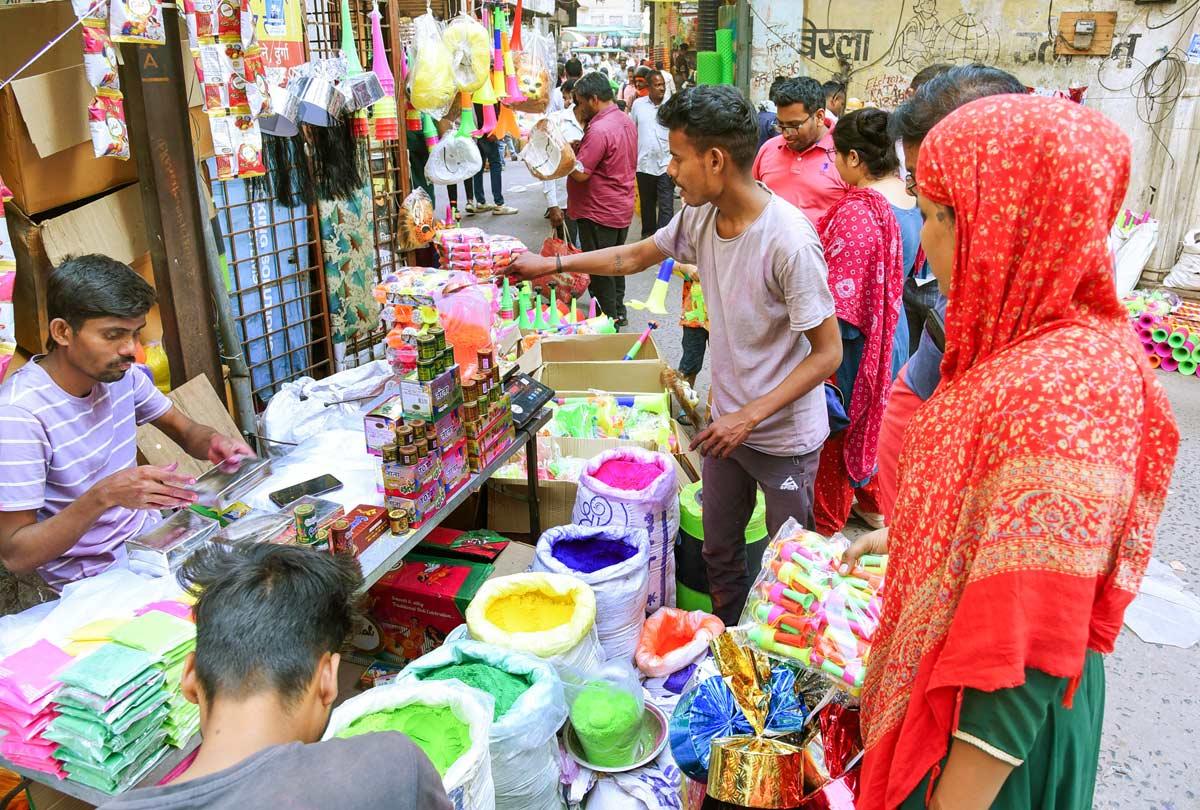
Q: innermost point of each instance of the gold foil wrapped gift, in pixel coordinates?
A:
(752, 771)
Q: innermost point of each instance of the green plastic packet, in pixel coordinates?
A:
(124, 750)
(107, 670)
(132, 701)
(156, 633)
(100, 778)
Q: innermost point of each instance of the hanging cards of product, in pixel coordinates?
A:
(281, 37)
(137, 21)
(106, 113)
(106, 122)
(237, 142)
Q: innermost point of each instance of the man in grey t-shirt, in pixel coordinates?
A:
(269, 622)
(772, 330)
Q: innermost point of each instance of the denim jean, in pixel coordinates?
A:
(489, 150)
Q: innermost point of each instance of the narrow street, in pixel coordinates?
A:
(1152, 717)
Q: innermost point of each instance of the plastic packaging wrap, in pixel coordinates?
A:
(803, 609)
(533, 64)
(470, 47)
(137, 21)
(523, 747)
(431, 85)
(673, 638)
(606, 712)
(613, 561)
(453, 160)
(654, 508)
(466, 315)
(468, 781)
(106, 122)
(548, 155)
(99, 59)
(417, 226)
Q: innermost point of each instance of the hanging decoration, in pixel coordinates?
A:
(383, 114)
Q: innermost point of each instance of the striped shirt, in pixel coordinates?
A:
(58, 446)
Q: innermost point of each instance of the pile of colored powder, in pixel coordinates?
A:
(530, 611)
(589, 554)
(627, 475)
(504, 686)
(608, 723)
(434, 729)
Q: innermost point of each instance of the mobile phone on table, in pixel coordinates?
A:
(313, 486)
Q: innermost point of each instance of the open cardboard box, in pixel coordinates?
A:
(46, 153)
(614, 377)
(586, 348)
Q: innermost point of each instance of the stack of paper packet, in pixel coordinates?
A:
(111, 710)
(167, 639)
(27, 684)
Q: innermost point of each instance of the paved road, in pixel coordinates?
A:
(1152, 719)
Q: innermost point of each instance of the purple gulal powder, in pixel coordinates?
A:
(590, 554)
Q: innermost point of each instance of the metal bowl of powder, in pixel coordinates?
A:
(653, 739)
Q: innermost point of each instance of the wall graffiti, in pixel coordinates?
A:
(887, 91)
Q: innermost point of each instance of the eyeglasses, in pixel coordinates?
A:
(910, 185)
(792, 128)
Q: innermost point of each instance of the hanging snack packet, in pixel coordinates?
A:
(138, 21)
(99, 59)
(91, 10)
(207, 19)
(106, 120)
(237, 142)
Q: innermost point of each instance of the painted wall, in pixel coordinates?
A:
(877, 46)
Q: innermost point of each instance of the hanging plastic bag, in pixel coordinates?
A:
(431, 86)
(606, 708)
(466, 315)
(453, 160)
(1131, 249)
(533, 63)
(614, 561)
(672, 638)
(548, 155)
(523, 748)
(416, 227)
(470, 47)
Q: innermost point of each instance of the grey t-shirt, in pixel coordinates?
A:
(763, 289)
(371, 770)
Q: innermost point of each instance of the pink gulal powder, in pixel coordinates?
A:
(627, 475)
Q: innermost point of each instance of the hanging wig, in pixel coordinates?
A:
(337, 165)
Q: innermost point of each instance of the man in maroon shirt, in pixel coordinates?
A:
(600, 190)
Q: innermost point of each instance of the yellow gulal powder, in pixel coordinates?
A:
(530, 611)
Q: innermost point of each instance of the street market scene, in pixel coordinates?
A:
(599, 404)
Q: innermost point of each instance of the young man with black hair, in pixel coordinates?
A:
(600, 189)
(768, 113)
(71, 492)
(835, 98)
(656, 192)
(798, 163)
(269, 623)
(774, 336)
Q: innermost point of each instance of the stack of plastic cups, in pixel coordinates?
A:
(725, 52)
(708, 67)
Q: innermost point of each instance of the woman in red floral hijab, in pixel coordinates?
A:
(1031, 483)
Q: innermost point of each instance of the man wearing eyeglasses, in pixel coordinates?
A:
(798, 163)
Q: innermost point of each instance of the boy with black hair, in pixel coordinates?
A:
(71, 492)
(835, 98)
(774, 337)
(269, 623)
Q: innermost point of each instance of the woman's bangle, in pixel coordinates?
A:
(558, 264)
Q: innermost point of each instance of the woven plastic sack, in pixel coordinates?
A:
(654, 509)
(1131, 249)
(470, 47)
(620, 588)
(547, 154)
(431, 85)
(468, 781)
(452, 160)
(523, 746)
(1185, 275)
(672, 638)
(571, 642)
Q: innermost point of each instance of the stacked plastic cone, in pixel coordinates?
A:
(1169, 346)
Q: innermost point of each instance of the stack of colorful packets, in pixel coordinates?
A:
(473, 251)
(27, 684)
(805, 609)
(168, 639)
(111, 709)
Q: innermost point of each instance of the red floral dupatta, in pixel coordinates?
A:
(1031, 483)
(865, 254)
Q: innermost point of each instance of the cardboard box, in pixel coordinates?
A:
(46, 153)
(381, 421)
(515, 559)
(416, 604)
(615, 377)
(112, 225)
(367, 524)
(455, 469)
(586, 348)
(433, 399)
(480, 546)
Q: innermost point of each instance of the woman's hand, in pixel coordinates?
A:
(874, 542)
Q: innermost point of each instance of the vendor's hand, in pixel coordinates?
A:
(873, 542)
(529, 266)
(147, 487)
(688, 271)
(723, 436)
(557, 218)
(222, 448)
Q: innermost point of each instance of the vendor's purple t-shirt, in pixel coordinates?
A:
(58, 446)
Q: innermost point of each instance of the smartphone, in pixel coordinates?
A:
(313, 486)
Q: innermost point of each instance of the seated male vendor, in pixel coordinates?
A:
(269, 622)
(71, 492)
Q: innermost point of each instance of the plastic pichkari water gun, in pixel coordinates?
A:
(506, 302)
(523, 305)
(657, 301)
(555, 319)
(383, 112)
(539, 315)
(699, 311)
(640, 342)
(575, 419)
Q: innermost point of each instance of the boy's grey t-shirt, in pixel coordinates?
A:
(763, 289)
(372, 770)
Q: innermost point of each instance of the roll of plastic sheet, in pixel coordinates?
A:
(708, 67)
(1155, 360)
(1160, 334)
(1187, 366)
(1177, 338)
(1163, 349)
(1181, 354)
(1169, 364)
(709, 711)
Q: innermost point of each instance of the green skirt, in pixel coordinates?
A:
(1058, 748)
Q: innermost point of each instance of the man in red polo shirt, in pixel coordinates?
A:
(798, 164)
(600, 190)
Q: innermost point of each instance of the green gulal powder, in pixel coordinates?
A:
(434, 729)
(504, 686)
